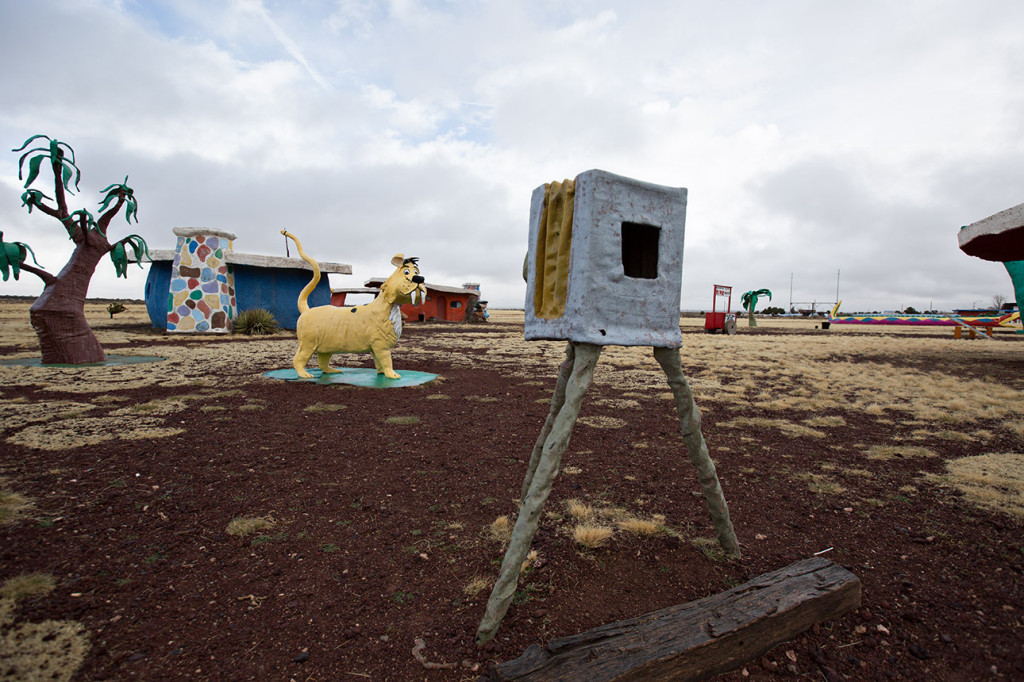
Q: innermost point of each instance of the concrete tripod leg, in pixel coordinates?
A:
(583, 362)
(557, 400)
(689, 423)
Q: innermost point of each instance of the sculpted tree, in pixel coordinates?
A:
(749, 301)
(58, 315)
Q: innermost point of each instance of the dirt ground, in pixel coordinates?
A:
(366, 519)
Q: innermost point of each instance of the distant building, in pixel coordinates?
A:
(203, 283)
(445, 304)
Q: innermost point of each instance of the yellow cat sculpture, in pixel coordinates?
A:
(371, 328)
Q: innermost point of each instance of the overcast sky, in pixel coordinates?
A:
(814, 137)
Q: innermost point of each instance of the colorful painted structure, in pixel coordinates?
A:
(445, 304)
(201, 285)
(988, 322)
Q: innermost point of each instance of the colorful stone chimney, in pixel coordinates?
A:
(202, 289)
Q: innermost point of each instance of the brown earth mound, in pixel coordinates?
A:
(202, 522)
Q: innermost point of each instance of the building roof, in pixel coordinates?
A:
(257, 261)
(999, 237)
(356, 290)
(377, 281)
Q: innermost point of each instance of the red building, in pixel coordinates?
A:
(446, 304)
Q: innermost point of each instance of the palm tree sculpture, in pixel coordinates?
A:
(749, 301)
(58, 315)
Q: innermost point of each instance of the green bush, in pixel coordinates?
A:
(257, 321)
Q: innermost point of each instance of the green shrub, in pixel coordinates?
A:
(256, 321)
(115, 308)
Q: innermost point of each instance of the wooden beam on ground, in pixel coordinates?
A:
(701, 638)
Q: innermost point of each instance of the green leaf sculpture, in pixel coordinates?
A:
(55, 153)
(85, 219)
(12, 255)
(119, 254)
(116, 191)
(32, 197)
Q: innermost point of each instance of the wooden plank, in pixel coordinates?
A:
(701, 638)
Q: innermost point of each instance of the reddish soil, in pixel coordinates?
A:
(380, 528)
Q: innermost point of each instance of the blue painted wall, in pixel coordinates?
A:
(158, 288)
(277, 290)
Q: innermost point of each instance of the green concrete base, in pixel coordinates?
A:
(111, 361)
(367, 378)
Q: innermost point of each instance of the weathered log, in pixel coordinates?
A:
(699, 639)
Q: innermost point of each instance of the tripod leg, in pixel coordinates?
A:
(557, 400)
(582, 374)
(689, 423)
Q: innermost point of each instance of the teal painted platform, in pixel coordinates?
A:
(111, 361)
(368, 378)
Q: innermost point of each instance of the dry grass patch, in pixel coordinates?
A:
(51, 650)
(590, 516)
(618, 403)
(476, 585)
(438, 396)
(821, 484)
(581, 511)
(710, 548)
(27, 585)
(12, 504)
(571, 470)
(825, 421)
(992, 481)
(529, 561)
(886, 452)
(164, 406)
(602, 422)
(788, 428)
(1016, 426)
(500, 529)
(778, 403)
(944, 434)
(403, 421)
(19, 413)
(324, 407)
(246, 525)
(591, 535)
(69, 434)
(638, 526)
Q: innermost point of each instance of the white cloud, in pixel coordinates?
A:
(812, 138)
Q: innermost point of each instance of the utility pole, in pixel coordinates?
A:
(790, 293)
(837, 286)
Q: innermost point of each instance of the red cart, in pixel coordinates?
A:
(720, 320)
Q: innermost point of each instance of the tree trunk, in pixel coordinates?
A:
(58, 315)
